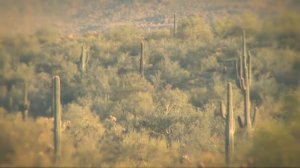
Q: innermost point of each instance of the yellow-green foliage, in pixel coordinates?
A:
(47, 35)
(84, 126)
(126, 37)
(143, 151)
(174, 102)
(277, 143)
(25, 144)
(139, 103)
(283, 30)
(194, 28)
(231, 25)
(159, 34)
(131, 83)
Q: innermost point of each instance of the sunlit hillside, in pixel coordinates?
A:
(140, 83)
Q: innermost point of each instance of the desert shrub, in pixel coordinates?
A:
(283, 135)
(47, 35)
(194, 28)
(173, 101)
(159, 35)
(172, 73)
(139, 103)
(209, 63)
(153, 153)
(269, 61)
(25, 143)
(231, 26)
(127, 38)
(138, 149)
(85, 131)
(198, 96)
(225, 26)
(250, 23)
(85, 127)
(130, 83)
(282, 31)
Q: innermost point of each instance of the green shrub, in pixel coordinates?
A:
(194, 28)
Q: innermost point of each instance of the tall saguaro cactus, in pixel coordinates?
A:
(142, 60)
(10, 87)
(10, 84)
(174, 25)
(56, 111)
(25, 105)
(230, 125)
(243, 69)
(84, 57)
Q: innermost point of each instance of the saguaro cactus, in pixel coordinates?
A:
(56, 111)
(25, 105)
(10, 84)
(10, 87)
(174, 25)
(84, 57)
(230, 125)
(142, 60)
(243, 69)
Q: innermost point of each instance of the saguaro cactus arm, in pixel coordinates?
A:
(222, 110)
(239, 73)
(241, 124)
(84, 57)
(87, 57)
(254, 116)
(250, 67)
(256, 111)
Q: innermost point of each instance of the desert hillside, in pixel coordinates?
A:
(140, 83)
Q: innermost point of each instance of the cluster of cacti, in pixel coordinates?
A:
(56, 111)
(228, 115)
(24, 107)
(142, 60)
(243, 71)
(84, 57)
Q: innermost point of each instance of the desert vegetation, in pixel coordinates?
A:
(149, 83)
